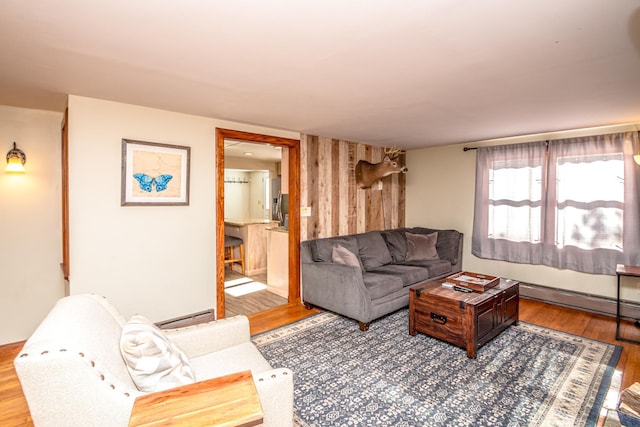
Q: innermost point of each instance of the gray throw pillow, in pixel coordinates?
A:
(422, 247)
(342, 255)
(321, 249)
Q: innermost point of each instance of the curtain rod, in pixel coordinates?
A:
(475, 148)
(547, 141)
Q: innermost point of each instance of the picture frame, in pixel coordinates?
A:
(154, 174)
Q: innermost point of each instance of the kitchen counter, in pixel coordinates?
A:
(253, 233)
(278, 261)
(247, 221)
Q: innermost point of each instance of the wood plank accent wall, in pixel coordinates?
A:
(338, 206)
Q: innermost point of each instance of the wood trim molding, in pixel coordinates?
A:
(294, 210)
(65, 195)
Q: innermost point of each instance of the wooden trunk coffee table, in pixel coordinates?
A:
(467, 320)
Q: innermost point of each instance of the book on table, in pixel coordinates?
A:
(630, 397)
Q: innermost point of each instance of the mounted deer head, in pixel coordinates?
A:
(367, 173)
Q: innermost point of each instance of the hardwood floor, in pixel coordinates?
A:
(254, 302)
(14, 410)
(13, 407)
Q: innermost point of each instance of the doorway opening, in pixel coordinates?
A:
(255, 224)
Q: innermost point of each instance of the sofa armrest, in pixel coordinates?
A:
(205, 338)
(275, 389)
(457, 267)
(336, 287)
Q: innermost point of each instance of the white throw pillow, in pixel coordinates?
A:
(154, 362)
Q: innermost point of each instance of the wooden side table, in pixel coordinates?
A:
(230, 401)
(630, 271)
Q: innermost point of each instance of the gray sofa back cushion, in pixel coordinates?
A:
(322, 249)
(373, 250)
(397, 243)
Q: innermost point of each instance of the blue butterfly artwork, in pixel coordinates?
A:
(146, 182)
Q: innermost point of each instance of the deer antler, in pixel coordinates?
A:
(393, 152)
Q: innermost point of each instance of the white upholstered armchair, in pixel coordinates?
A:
(73, 374)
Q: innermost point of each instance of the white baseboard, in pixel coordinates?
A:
(593, 303)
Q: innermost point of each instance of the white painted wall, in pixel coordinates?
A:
(30, 222)
(246, 201)
(155, 260)
(236, 195)
(441, 192)
(257, 200)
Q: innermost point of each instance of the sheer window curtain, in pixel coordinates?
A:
(574, 206)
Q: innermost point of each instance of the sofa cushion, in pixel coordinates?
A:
(153, 361)
(396, 241)
(437, 267)
(381, 285)
(409, 274)
(342, 255)
(421, 246)
(322, 249)
(373, 250)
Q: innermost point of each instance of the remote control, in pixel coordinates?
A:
(461, 289)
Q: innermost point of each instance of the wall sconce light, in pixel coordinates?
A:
(16, 160)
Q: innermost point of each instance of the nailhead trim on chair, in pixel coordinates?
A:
(91, 362)
(260, 379)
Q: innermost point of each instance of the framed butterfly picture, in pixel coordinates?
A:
(154, 174)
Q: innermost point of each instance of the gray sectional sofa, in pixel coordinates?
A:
(365, 276)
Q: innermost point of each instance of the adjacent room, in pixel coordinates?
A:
(317, 214)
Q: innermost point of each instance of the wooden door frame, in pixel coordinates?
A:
(65, 199)
(294, 210)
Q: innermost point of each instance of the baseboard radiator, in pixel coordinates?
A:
(593, 303)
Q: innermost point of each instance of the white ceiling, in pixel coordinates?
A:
(410, 73)
(248, 150)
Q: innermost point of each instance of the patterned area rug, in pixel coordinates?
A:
(527, 376)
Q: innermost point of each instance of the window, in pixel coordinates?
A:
(589, 201)
(515, 211)
(569, 203)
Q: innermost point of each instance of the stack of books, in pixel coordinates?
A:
(629, 407)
